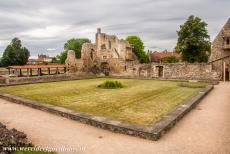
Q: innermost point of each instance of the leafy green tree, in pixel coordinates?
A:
(170, 59)
(56, 60)
(15, 54)
(74, 44)
(138, 48)
(63, 57)
(193, 40)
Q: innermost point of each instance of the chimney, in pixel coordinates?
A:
(99, 30)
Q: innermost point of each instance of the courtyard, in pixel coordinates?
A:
(139, 102)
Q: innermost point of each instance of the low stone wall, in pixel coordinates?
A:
(151, 132)
(4, 72)
(40, 79)
(2, 80)
(181, 71)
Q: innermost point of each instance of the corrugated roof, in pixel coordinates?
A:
(38, 66)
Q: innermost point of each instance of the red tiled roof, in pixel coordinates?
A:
(158, 56)
(37, 66)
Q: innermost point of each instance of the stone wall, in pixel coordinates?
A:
(2, 80)
(221, 49)
(72, 64)
(41, 79)
(183, 71)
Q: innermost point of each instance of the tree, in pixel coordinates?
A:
(15, 54)
(63, 57)
(193, 40)
(56, 60)
(138, 48)
(74, 44)
(170, 59)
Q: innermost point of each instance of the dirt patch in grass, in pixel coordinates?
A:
(139, 102)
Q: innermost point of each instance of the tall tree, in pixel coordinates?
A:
(15, 54)
(138, 48)
(74, 44)
(193, 40)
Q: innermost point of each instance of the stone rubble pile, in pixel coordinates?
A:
(11, 138)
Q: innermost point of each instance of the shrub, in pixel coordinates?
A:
(111, 85)
(170, 59)
(193, 84)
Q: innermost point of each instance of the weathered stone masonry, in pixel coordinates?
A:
(114, 57)
(221, 52)
(183, 71)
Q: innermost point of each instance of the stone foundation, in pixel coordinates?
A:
(41, 79)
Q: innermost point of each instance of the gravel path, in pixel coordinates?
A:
(206, 129)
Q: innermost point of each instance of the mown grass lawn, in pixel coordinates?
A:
(139, 102)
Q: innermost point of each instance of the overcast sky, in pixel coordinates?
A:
(45, 25)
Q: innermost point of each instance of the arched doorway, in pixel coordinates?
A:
(105, 68)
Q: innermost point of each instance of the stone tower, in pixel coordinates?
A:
(220, 55)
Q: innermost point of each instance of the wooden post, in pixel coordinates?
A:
(38, 72)
(16, 71)
(31, 72)
(27, 72)
(57, 70)
(20, 72)
(48, 71)
(9, 70)
(224, 72)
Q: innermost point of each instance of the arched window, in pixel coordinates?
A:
(228, 41)
(103, 46)
(91, 54)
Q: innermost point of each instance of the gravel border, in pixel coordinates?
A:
(153, 131)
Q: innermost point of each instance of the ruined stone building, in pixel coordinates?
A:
(108, 55)
(220, 55)
(114, 57)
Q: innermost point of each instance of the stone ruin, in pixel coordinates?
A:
(111, 56)
(220, 55)
(73, 65)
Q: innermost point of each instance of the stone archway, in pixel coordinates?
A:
(105, 68)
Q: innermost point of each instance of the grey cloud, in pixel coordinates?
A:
(155, 21)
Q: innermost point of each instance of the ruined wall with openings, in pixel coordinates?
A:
(183, 71)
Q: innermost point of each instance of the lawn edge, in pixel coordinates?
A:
(151, 132)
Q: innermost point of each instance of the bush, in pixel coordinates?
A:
(193, 84)
(111, 85)
(170, 59)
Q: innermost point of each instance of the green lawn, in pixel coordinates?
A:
(139, 102)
